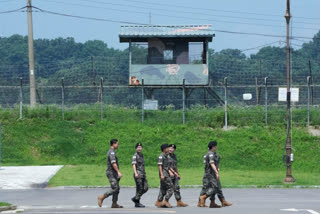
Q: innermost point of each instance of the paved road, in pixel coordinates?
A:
(248, 201)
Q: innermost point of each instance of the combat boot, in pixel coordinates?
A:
(224, 203)
(203, 200)
(134, 200)
(166, 204)
(214, 205)
(158, 204)
(181, 204)
(116, 205)
(100, 199)
(139, 204)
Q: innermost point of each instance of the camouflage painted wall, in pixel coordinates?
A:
(169, 74)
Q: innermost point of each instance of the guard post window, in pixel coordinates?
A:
(168, 56)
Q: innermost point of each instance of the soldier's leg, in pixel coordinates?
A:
(203, 193)
(224, 203)
(139, 188)
(113, 186)
(145, 185)
(212, 198)
(176, 189)
(169, 192)
(162, 191)
(219, 191)
(116, 190)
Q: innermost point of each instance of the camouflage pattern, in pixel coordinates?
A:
(141, 181)
(210, 182)
(166, 186)
(112, 176)
(169, 74)
(219, 188)
(173, 163)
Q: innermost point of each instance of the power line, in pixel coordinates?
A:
(260, 46)
(88, 18)
(175, 16)
(180, 11)
(135, 23)
(12, 11)
(208, 9)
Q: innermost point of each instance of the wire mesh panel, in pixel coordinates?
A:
(246, 90)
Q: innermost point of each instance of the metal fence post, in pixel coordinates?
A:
(266, 101)
(225, 103)
(142, 101)
(101, 98)
(62, 97)
(21, 99)
(308, 106)
(183, 102)
(257, 92)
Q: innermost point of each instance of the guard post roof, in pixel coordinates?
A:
(141, 33)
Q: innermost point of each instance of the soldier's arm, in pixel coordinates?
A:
(160, 164)
(135, 170)
(174, 172)
(115, 167)
(214, 169)
(160, 171)
(134, 166)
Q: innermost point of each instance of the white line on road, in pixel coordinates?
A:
(297, 210)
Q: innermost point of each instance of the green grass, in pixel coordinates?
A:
(94, 175)
(4, 204)
(82, 139)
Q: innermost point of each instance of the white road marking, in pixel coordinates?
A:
(13, 211)
(297, 210)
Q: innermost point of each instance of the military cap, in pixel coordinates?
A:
(173, 146)
(138, 144)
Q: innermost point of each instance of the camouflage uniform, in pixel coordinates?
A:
(219, 189)
(166, 186)
(173, 163)
(141, 181)
(112, 175)
(210, 182)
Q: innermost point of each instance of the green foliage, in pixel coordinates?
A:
(4, 204)
(82, 138)
(94, 175)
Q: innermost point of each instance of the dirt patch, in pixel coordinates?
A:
(314, 131)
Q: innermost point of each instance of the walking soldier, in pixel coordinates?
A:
(166, 185)
(173, 167)
(113, 175)
(139, 175)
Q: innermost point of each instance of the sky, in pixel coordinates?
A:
(227, 17)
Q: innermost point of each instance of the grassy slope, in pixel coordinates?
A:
(42, 139)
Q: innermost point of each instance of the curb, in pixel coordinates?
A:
(200, 186)
(6, 208)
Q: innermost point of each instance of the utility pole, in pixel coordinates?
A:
(289, 178)
(32, 78)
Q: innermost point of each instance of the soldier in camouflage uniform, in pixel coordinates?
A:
(113, 175)
(219, 193)
(139, 175)
(211, 176)
(166, 185)
(173, 167)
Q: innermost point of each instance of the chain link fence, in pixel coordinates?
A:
(239, 91)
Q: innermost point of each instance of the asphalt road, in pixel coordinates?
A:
(248, 201)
